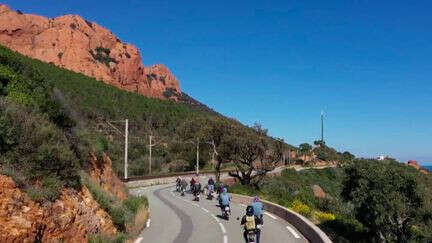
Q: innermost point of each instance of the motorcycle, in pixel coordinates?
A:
(251, 237)
(182, 192)
(226, 212)
(178, 187)
(210, 195)
(197, 196)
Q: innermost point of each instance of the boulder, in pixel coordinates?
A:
(318, 191)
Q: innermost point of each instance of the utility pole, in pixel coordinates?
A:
(150, 153)
(197, 157)
(126, 149)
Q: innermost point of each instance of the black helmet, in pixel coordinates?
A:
(249, 211)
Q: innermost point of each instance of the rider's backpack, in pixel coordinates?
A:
(250, 223)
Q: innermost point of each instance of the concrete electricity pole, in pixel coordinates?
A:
(197, 156)
(150, 153)
(126, 149)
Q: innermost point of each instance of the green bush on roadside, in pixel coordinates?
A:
(122, 212)
(100, 238)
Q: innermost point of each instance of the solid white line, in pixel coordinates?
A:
(195, 204)
(205, 210)
(270, 215)
(293, 232)
(225, 239)
(148, 223)
(222, 228)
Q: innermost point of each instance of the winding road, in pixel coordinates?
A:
(178, 219)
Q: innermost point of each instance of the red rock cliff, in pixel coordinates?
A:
(76, 44)
(69, 219)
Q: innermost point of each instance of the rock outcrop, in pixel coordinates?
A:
(69, 219)
(414, 164)
(101, 172)
(318, 191)
(76, 44)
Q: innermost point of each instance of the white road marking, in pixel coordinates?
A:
(222, 228)
(195, 204)
(293, 232)
(214, 216)
(270, 215)
(205, 210)
(225, 239)
(148, 223)
(243, 205)
(138, 240)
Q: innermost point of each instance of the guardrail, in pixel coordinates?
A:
(302, 224)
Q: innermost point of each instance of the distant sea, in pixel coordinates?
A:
(429, 167)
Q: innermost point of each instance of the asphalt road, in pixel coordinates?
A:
(178, 219)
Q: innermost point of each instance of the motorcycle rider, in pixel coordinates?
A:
(178, 181)
(258, 208)
(192, 184)
(224, 199)
(183, 185)
(210, 185)
(197, 190)
(251, 222)
(221, 188)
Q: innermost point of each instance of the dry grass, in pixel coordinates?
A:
(139, 223)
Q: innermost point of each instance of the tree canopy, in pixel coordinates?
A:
(392, 200)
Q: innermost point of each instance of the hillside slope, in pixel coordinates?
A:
(76, 44)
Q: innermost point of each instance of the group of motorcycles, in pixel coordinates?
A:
(226, 211)
(195, 191)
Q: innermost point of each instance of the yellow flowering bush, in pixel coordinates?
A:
(300, 207)
(323, 217)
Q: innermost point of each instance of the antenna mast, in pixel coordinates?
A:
(322, 126)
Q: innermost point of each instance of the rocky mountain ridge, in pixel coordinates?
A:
(76, 44)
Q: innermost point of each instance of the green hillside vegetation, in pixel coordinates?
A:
(42, 147)
(91, 115)
(51, 119)
(367, 200)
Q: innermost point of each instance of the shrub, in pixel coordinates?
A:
(100, 238)
(48, 191)
(122, 213)
(133, 203)
(102, 55)
(323, 217)
(8, 133)
(301, 208)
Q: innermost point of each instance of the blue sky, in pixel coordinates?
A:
(366, 63)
